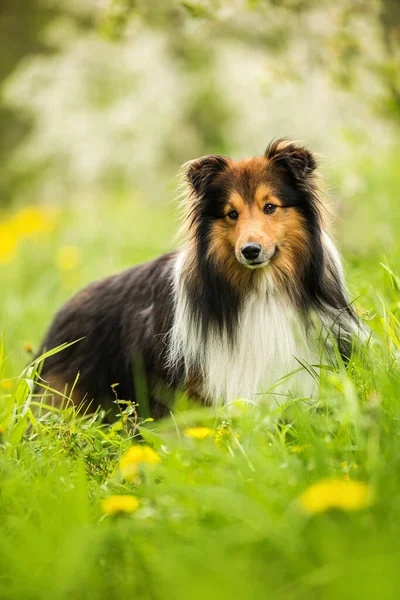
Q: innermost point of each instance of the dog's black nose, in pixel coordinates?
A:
(251, 251)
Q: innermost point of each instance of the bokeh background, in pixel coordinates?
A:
(101, 101)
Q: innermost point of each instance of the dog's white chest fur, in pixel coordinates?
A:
(270, 341)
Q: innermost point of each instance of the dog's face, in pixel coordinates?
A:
(260, 230)
(255, 213)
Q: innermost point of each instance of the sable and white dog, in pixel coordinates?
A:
(255, 291)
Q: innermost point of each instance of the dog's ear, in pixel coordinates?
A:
(298, 160)
(202, 172)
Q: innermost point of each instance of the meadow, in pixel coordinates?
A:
(299, 502)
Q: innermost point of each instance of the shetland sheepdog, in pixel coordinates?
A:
(254, 294)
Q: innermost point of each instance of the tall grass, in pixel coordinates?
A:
(222, 510)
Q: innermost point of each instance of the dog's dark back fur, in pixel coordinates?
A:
(164, 321)
(116, 328)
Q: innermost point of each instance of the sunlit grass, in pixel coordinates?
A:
(298, 501)
(290, 504)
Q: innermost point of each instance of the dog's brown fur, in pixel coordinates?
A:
(130, 315)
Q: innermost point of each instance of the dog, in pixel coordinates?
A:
(252, 299)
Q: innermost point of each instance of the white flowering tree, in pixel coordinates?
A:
(120, 93)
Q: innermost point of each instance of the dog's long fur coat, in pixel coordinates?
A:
(255, 290)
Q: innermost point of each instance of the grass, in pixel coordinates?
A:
(219, 517)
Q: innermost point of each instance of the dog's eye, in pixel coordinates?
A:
(233, 215)
(269, 209)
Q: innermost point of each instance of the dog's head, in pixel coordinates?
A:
(258, 213)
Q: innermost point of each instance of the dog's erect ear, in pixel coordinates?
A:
(202, 172)
(297, 159)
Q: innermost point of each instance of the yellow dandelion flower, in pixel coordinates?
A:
(119, 504)
(135, 456)
(32, 220)
(198, 433)
(2, 430)
(344, 494)
(8, 244)
(27, 223)
(299, 448)
(6, 384)
(68, 258)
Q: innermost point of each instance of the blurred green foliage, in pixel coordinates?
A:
(100, 103)
(73, 75)
(297, 502)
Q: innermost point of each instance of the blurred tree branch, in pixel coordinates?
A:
(331, 33)
(275, 24)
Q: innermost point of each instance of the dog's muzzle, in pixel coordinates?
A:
(252, 255)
